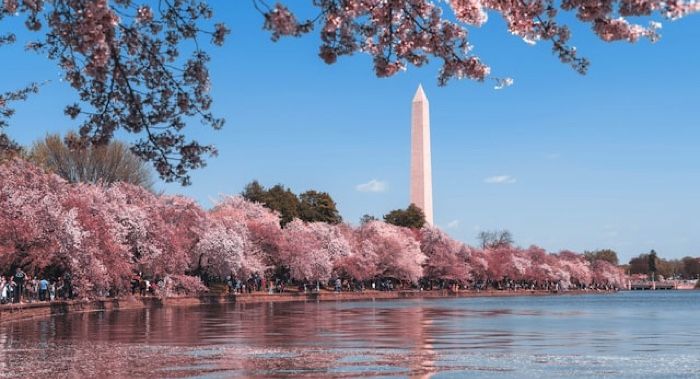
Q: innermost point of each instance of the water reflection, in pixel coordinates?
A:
(575, 336)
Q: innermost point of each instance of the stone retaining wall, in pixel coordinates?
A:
(17, 312)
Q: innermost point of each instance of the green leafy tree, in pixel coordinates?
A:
(284, 201)
(254, 192)
(278, 198)
(317, 206)
(411, 217)
(310, 206)
(607, 255)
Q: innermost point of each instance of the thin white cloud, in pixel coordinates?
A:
(453, 224)
(552, 156)
(373, 185)
(500, 179)
(503, 83)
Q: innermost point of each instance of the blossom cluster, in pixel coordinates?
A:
(103, 234)
(136, 66)
(396, 33)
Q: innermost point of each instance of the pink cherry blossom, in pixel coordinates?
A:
(395, 251)
(409, 32)
(313, 250)
(102, 234)
(445, 257)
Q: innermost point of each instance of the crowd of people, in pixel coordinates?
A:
(145, 285)
(21, 288)
(257, 283)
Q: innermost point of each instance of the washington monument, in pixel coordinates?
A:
(421, 171)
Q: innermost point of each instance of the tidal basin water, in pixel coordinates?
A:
(650, 334)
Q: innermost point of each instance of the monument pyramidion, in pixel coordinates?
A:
(421, 170)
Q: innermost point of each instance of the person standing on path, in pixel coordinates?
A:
(4, 290)
(43, 289)
(19, 284)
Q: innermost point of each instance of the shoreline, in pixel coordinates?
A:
(32, 311)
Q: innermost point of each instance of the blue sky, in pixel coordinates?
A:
(606, 160)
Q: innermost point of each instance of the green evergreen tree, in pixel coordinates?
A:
(652, 263)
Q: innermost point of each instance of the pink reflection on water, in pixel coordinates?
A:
(244, 339)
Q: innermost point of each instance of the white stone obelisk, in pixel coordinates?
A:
(421, 170)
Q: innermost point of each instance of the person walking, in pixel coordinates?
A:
(10, 285)
(135, 283)
(68, 285)
(31, 290)
(61, 289)
(19, 278)
(52, 291)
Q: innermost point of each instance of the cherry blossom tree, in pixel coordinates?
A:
(182, 221)
(146, 236)
(503, 263)
(239, 238)
(34, 227)
(161, 230)
(477, 262)
(225, 249)
(46, 223)
(446, 258)
(539, 267)
(313, 250)
(263, 226)
(576, 267)
(395, 250)
(102, 261)
(605, 273)
(362, 262)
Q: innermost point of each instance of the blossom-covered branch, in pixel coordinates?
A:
(398, 33)
(8, 147)
(133, 69)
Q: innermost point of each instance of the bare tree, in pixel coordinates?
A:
(109, 163)
(495, 238)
